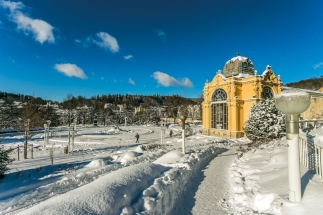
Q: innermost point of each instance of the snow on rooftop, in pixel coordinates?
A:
(242, 75)
(240, 58)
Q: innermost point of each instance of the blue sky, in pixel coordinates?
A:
(55, 47)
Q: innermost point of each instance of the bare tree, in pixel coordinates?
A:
(29, 117)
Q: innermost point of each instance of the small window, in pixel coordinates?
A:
(219, 95)
(267, 93)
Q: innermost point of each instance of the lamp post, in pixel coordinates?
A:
(45, 134)
(293, 103)
(26, 138)
(48, 128)
(69, 138)
(162, 132)
(183, 118)
(73, 134)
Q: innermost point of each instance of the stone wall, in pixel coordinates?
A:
(315, 111)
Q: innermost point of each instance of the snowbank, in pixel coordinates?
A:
(260, 184)
(128, 156)
(160, 197)
(106, 195)
(170, 157)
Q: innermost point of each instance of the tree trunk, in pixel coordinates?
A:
(25, 145)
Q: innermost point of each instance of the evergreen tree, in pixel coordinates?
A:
(4, 160)
(265, 121)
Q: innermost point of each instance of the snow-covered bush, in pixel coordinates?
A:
(264, 122)
(152, 147)
(188, 132)
(4, 160)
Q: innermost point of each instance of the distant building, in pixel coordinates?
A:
(109, 105)
(138, 109)
(121, 107)
(229, 97)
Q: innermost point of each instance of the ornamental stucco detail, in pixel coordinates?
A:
(242, 87)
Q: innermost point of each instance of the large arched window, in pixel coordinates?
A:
(219, 95)
(267, 93)
(219, 110)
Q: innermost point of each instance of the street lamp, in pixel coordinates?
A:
(183, 118)
(26, 138)
(162, 132)
(293, 103)
(73, 134)
(45, 134)
(48, 128)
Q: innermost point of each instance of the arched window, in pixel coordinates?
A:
(267, 93)
(219, 110)
(219, 95)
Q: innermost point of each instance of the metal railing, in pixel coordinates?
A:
(311, 153)
(309, 123)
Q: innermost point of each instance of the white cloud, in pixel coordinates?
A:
(161, 34)
(70, 70)
(105, 41)
(128, 57)
(167, 80)
(12, 6)
(131, 81)
(317, 66)
(41, 30)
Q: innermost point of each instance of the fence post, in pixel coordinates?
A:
(32, 151)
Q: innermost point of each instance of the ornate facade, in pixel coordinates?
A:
(229, 97)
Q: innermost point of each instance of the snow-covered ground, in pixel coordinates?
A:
(260, 184)
(108, 173)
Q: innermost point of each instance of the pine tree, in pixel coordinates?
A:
(265, 121)
(4, 160)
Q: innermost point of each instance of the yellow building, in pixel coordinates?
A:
(315, 110)
(229, 97)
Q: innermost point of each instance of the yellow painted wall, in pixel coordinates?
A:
(242, 93)
(315, 111)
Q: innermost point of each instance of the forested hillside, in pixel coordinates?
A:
(309, 84)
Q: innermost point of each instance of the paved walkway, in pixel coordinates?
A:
(207, 188)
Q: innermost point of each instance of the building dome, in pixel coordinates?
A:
(237, 65)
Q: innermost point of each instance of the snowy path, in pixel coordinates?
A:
(207, 188)
(214, 187)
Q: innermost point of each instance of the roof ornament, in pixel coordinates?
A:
(238, 53)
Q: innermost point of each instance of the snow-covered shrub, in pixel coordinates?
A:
(264, 122)
(4, 160)
(188, 132)
(152, 147)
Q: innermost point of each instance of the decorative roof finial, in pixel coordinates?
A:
(238, 53)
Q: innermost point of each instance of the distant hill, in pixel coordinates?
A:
(308, 84)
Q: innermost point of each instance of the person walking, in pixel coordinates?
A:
(170, 133)
(137, 138)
